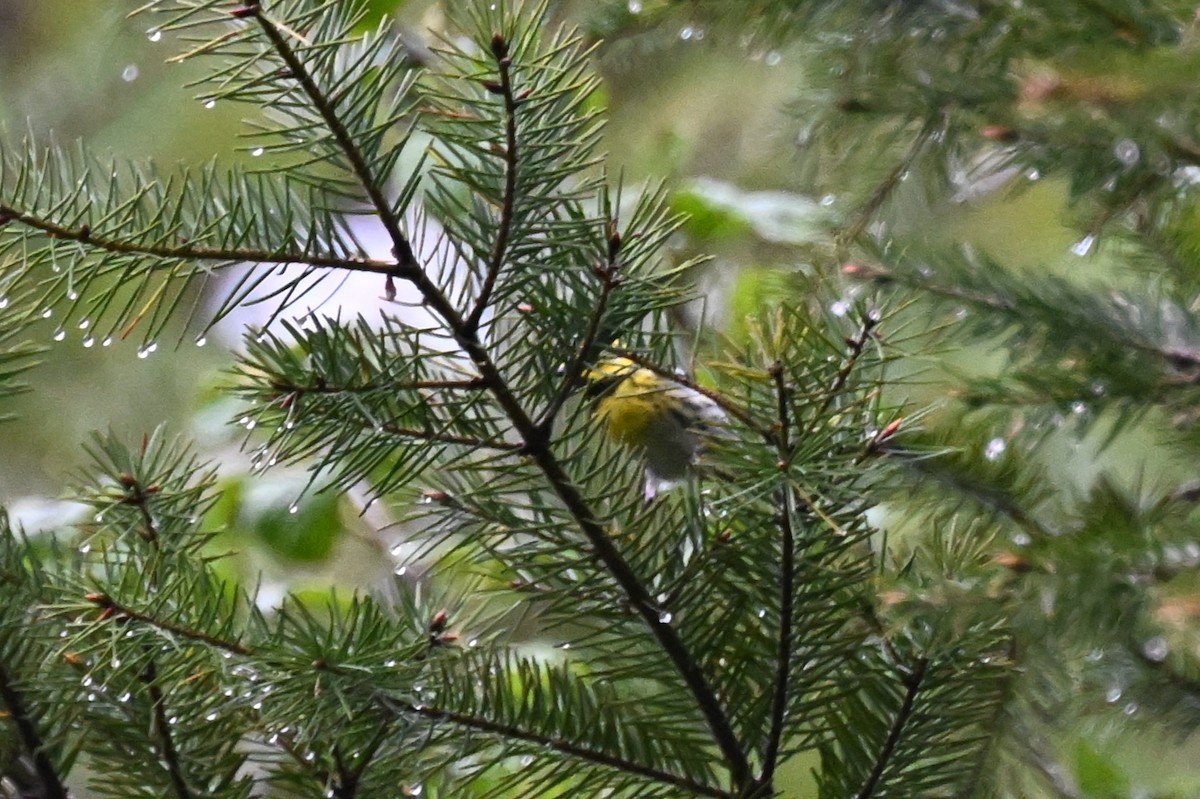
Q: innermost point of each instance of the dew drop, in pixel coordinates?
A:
(143, 353)
(994, 449)
(211, 716)
(687, 32)
(762, 613)
(154, 35)
(60, 334)
(130, 73)
(389, 663)
(828, 200)
(773, 58)
(1112, 695)
(210, 105)
(293, 508)
(200, 342)
(1127, 152)
(401, 571)
(1079, 408)
(1021, 539)
(665, 617)
(1032, 175)
(474, 642)
(1130, 709)
(1156, 649)
(257, 151)
(839, 308)
(565, 645)
(635, 6)
(1083, 246)
(527, 760)
(46, 314)
(88, 342)
(107, 342)
(3, 302)
(84, 324)
(72, 295)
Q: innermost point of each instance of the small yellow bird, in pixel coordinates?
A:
(667, 422)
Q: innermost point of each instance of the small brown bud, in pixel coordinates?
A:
(1000, 133)
(126, 479)
(85, 232)
(499, 46)
(248, 9)
(493, 87)
(438, 623)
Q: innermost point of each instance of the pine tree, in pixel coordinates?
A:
(900, 591)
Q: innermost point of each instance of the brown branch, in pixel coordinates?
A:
(84, 235)
(162, 728)
(508, 203)
(119, 612)
(406, 266)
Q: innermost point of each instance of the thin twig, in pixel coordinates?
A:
(508, 203)
(122, 612)
(913, 683)
(38, 749)
(555, 744)
(162, 729)
(863, 215)
(84, 235)
(326, 106)
(610, 279)
(785, 506)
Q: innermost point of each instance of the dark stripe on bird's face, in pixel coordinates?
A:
(598, 387)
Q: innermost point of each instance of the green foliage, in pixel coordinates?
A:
(911, 594)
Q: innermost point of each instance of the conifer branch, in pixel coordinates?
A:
(508, 202)
(406, 266)
(866, 211)
(439, 437)
(556, 744)
(162, 729)
(785, 506)
(857, 345)
(110, 608)
(913, 683)
(31, 738)
(574, 370)
(84, 235)
(537, 446)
